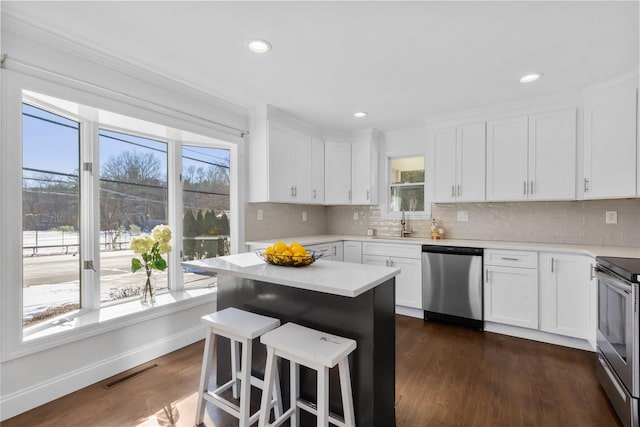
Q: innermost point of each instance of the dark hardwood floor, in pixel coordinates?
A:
(445, 376)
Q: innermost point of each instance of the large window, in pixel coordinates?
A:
(50, 215)
(133, 199)
(89, 185)
(206, 207)
(406, 192)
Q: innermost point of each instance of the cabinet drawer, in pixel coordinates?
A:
(521, 259)
(323, 248)
(392, 249)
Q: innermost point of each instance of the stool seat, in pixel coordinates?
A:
(239, 323)
(309, 344)
(319, 351)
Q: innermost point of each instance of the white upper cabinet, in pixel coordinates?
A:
(444, 168)
(317, 171)
(351, 173)
(459, 169)
(364, 173)
(507, 159)
(552, 156)
(610, 143)
(337, 173)
(285, 160)
(289, 165)
(532, 158)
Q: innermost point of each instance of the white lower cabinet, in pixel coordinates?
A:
(332, 251)
(511, 296)
(353, 252)
(565, 300)
(409, 281)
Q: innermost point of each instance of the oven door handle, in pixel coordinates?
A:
(616, 282)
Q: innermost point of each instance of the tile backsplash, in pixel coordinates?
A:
(575, 222)
(283, 220)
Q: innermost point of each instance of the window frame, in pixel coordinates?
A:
(385, 212)
(91, 316)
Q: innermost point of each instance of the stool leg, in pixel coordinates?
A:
(277, 393)
(294, 387)
(245, 384)
(323, 397)
(235, 364)
(204, 375)
(269, 376)
(347, 395)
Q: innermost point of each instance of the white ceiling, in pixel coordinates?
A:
(400, 61)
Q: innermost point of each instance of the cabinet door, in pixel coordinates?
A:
(511, 296)
(337, 249)
(565, 294)
(470, 163)
(552, 155)
(337, 173)
(408, 282)
(317, 171)
(361, 165)
(444, 169)
(610, 146)
(280, 161)
(300, 167)
(353, 252)
(507, 159)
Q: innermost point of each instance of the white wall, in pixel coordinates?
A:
(31, 378)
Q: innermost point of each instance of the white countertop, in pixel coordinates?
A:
(591, 250)
(332, 277)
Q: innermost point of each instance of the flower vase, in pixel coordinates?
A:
(148, 289)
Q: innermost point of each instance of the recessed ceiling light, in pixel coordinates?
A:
(259, 46)
(531, 77)
(360, 114)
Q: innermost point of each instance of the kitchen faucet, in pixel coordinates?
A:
(403, 229)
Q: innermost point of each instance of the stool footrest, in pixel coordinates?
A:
(282, 418)
(313, 409)
(230, 407)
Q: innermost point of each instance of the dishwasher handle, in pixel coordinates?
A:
(452, 250)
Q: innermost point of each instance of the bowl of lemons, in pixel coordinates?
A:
(291, 255)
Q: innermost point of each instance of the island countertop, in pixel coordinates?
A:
(332, 277)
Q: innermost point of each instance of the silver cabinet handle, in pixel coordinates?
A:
(291, 191)
(295, 191)
(367, 194)
(553, 260)
(486, 275)
(453, 191)
(524, 188)
(459, 190)
(510, 259)
(531, 188)
(586, 185)
(314, 194)
(593, 272)
(349, 194)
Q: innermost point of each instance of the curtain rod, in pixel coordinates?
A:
(4, 57)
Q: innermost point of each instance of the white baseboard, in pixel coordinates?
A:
(408, 311)
(39, 394)
(532, 334)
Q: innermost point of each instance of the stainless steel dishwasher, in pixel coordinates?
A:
(452, 285)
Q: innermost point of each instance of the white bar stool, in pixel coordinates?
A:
(316, 350)
(241, 327)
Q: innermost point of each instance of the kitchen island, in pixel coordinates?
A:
(351, 300)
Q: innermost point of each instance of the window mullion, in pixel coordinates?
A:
(174, 199)
(90, 215)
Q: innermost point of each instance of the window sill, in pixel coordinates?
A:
(111, 318)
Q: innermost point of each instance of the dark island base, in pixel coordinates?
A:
(369, 319)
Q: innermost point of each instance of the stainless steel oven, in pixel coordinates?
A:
(618, 335)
